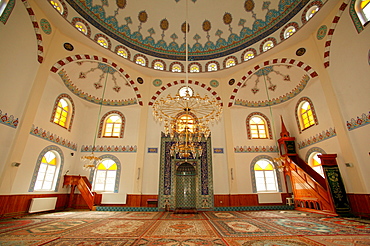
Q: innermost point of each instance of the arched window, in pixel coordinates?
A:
(194, 68)
(103, 42)
(311, 12)
(289, 32)
(57, 5)
(268, 45)
(212, 67)
(258, 126)
(63, 111)
(112, 125)
(305, 114)
(249, 55)
(122, 52)
(362, 8)
(140, 60)
(158, 65)
(230, 63)
(105, 175)
(176, 68)
(3, 4)
(315, 162)
(265, 176)
(81, 27)
(48, 169)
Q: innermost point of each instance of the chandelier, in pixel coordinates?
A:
(187, 115)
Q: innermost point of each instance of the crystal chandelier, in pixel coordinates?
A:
(187, 115)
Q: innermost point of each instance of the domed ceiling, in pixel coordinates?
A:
(217, 28)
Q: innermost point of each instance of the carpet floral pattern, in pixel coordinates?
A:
(166, 228)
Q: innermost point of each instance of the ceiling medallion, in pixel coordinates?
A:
(68, 46)
(206, 25)
(140, 80)
(300, 51)
(231, 81)
(183, 27)
(143, 16)
(249, 5)
(227, 18)
(164, 24)
(121, 4)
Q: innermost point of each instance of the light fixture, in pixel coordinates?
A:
(91, 160)
(187, 115)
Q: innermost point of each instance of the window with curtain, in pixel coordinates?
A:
(265, 176)
(47, 172)
(112, 126)
(105, 176)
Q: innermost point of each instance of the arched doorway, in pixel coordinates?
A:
(185, 186)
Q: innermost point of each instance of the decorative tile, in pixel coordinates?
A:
(218, 150)
(255, 149)
(46, 135)
(152, 150)
(8, 120)
(362, 120)
(46, 27)
(324, 135)
(109, 148)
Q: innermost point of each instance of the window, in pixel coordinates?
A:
(3, 4)
(289, 32)
(311, 12)
(112, 126)
(105, 176)
(140, 60)
(249, 55)
(268, 45)
(122, 52)
(103, 42)
(194, 69)
(158, 65)
(81, 27)
(315, 162)
(265, 175)
(212, 67)
(185, 90)
(306, 115)
(362, 8)
(176, 68)
(257, 126)
(230, 63)
(62, 113)
(57, 5)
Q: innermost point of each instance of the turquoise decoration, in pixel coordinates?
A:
(214, 83)
(321, 32)
(157, 82)
(45, 26)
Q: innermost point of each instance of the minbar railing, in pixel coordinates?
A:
(84, 186)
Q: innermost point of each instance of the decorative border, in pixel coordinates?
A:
(7, 11)
(324, 135)
(102, 120)
(253, 175)
(292, 62)
(256, 149)
(109, 148)
(161, 61)
(40, 47)
(267, 122)
(354, 16)
(8, 120)
(71, 117)
(275, 101)
(313, 149)
(190, 82)
(218, 150)
(359, 122)
(38, 163)
(118, 172)
(331, 32)
(46, 135)
(70, 59)
(297, 116)
(153, 150)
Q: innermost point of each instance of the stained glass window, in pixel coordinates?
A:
(265, 176)
(268, 45)
(176, 68)
(158, 65)
(315, 162)
(249, 55)
(289, 32)
(311, 12)
(140, 60)
(122, 52)
(230, 63)
(212, 67)
(103, 42)
(81, 27)
(105, 176)
(57, 5)
(194, 69)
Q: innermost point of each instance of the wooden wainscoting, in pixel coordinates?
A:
(18, 205)
(243, 200)
(360, 204)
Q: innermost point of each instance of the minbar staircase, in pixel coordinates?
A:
(84, 186)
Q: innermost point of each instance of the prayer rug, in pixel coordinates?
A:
(296, 213)
(140, 215)
(97, 214)
(358, 224)
(224, 215)
(93, 241)
(20, 242)
(169, 216)
(260, 214)
(13, 224)
(181, 228)
(113, 228)
(245, 228)
(272, 241)
(342, 240)
(311, 226)
(51, 229)
(52, 215)
(181, 241)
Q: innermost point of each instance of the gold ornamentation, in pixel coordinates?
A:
(143, 16)
(164, 24)
(206, 25)
(183, 27)
(227, 18)
(249, 5)
(121, 3)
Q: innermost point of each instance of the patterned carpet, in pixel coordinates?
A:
(164, 228)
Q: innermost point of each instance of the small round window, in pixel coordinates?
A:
(185, 91)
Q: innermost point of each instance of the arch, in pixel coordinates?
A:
(268, 130)
(57, 176)
(58, 65)
(312, 150)
(217, 65)
(329, 37)
(142, 56)
(304, 13)
(194, 64)
(270, 39)
(35, 24)
(4, 16)
(118, 174)
(292, 24)
(119, 47)
(64, 5)
(253, 176)
(292, 62)
(224, 63)
(71, 114)
(252, 50)
(190, 82)
(102, 120)
(88, 28)
(182, 69)
(154, 62)
(100, 35)
(297, 116)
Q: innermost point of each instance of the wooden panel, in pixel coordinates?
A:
(17, 205)
(243, 200)
(360, 204)
(221, 200)
(133, 200)
(144, 199)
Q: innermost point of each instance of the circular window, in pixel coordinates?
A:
(185, 91)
